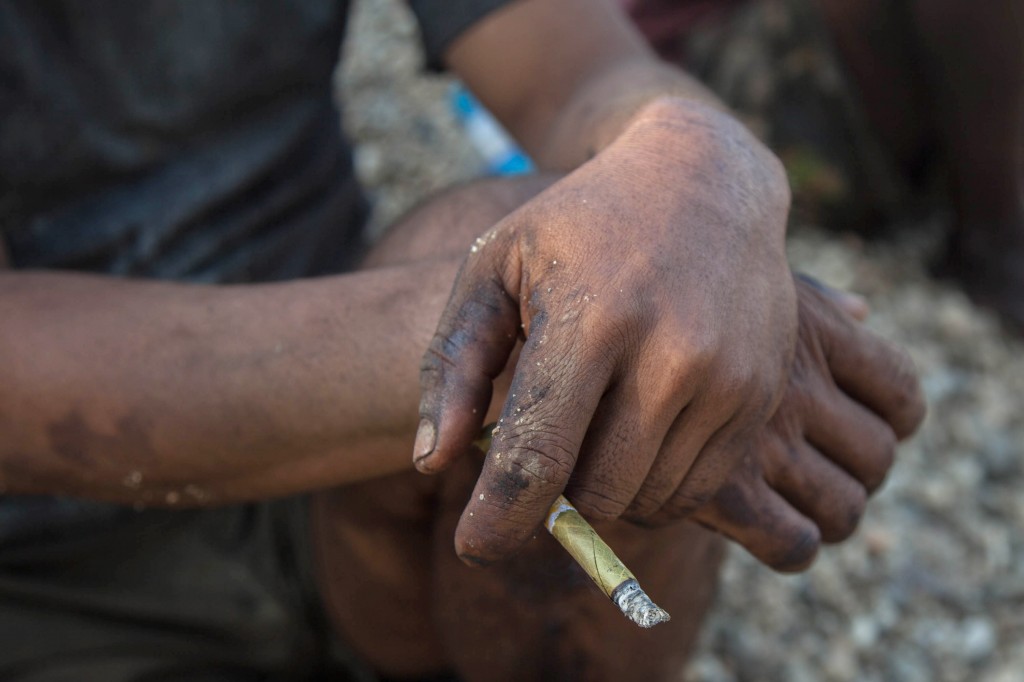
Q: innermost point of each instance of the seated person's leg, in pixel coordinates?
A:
(397, 592)
(954, 71)
(974, 54)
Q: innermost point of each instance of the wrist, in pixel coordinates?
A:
(711, 144)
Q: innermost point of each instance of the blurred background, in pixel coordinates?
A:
(931, 588)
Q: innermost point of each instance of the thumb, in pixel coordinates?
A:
(474, 338)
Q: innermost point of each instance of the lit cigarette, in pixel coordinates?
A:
(596, 558)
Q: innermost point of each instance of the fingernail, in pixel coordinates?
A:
(426, 439)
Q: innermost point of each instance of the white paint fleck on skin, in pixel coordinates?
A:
(482, 241)
(570, 315)
(481, 497)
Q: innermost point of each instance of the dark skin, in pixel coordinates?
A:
(231, 403)
(384, 547)
(238, 404)
(658, 389)
(593, 332)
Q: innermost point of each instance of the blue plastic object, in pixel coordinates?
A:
(500, 153)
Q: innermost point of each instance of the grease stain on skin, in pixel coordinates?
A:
(85, 447)
(732, 498)
(507, 485)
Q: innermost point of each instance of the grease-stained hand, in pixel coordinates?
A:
(851, 397)
(659, 317)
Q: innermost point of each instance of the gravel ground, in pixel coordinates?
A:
(932, 585)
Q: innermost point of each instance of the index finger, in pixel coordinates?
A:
(556, 389)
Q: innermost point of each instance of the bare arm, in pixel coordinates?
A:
(150, 392)
(566, 75)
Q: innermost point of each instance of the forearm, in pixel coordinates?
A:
(166, 393)
(566, 76)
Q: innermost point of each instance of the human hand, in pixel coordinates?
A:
(851, 396)
(658, 309)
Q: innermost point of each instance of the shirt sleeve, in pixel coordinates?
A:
(442, 21)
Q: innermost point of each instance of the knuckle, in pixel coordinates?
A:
(847, 516)
(688, 352)
(441, 352)
(544, 455)
(881, 461)
(740, 385)
(703, 349)
(686, 501)
(679, 362)
(606, 504)
(797, 551)
(624, 320)
(647, 502)
(733, 385)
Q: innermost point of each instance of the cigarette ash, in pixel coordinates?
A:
(637, 606)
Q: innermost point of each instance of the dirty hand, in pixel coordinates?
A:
(851, 396)
(652, 289)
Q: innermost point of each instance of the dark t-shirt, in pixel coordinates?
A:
(174, 139)
(180, 139)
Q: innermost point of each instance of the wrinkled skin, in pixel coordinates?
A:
(384, 546)
(659, 318)
(851, 396)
